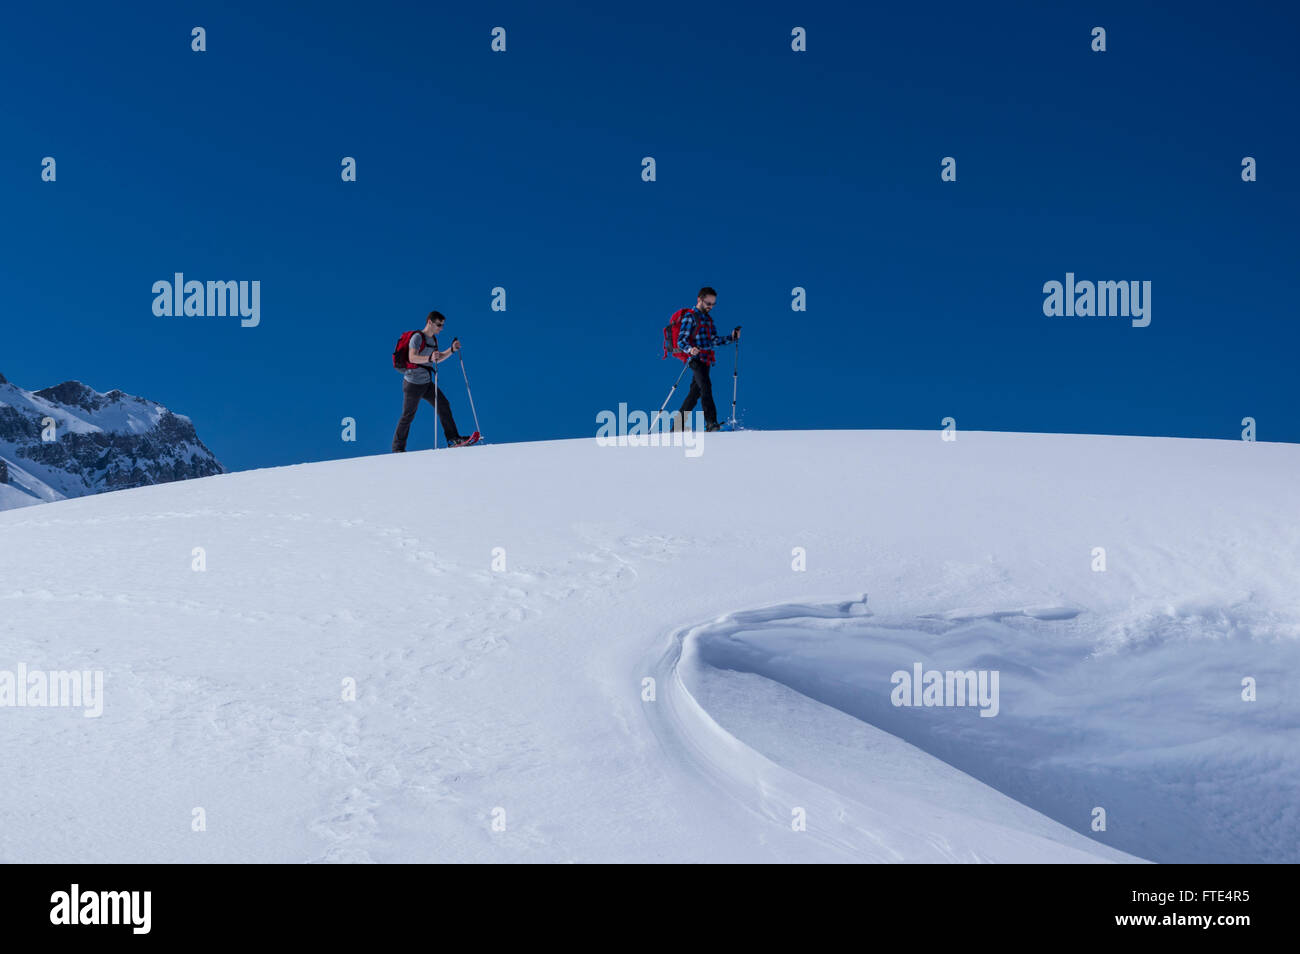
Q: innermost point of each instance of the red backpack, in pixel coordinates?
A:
(403, 350)
(672, 331)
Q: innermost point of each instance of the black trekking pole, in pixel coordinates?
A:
(735, 377)
(685, 365)
(433, 367)
(468, 393)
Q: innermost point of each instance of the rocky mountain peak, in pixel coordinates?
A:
(101, 442)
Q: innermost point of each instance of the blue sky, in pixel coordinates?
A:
(775, 169)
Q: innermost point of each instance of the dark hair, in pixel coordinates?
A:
(707, 290)
(436, 317)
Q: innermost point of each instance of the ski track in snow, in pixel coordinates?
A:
(480, 690)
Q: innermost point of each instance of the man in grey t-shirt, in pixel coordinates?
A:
(417, 382)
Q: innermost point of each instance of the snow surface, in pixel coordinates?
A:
(516, 695)
(24, 488)
(11, 497)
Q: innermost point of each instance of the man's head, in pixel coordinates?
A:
(706, 299)
(435, 321)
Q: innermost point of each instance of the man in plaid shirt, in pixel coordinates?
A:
(698, 338)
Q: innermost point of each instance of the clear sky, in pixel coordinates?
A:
(775, 169)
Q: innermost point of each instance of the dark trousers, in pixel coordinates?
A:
(701, 390)
(411, 396)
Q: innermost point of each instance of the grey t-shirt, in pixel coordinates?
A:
(420, 373)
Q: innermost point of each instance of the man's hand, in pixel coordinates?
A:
(735, 335)
(455, 344)
(692, 350)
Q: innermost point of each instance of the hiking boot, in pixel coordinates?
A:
(715, 426)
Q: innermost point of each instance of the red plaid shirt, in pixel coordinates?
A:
(698, 332)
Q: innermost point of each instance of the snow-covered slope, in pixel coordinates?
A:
(101, 442)
(12, 497)
(501, 609)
